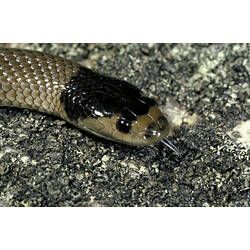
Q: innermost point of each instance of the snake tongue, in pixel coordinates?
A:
(169, 144)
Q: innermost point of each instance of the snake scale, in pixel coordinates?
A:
(104, 106)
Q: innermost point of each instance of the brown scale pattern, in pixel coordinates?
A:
(34, 80)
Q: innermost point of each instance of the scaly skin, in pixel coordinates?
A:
(107, 107)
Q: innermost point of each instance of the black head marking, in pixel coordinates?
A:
(89, 94)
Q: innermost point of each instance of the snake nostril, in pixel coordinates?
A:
(163, 123)
(151, 130)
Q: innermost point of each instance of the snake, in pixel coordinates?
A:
(104, 106)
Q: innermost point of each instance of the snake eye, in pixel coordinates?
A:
(123, 125)
(124, 122)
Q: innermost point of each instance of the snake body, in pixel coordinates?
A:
(105, 106)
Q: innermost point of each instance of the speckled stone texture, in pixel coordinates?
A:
(44, 161)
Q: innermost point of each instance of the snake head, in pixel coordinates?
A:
(113, 109)
(143, 129)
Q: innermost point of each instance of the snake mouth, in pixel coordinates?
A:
(145, 130)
